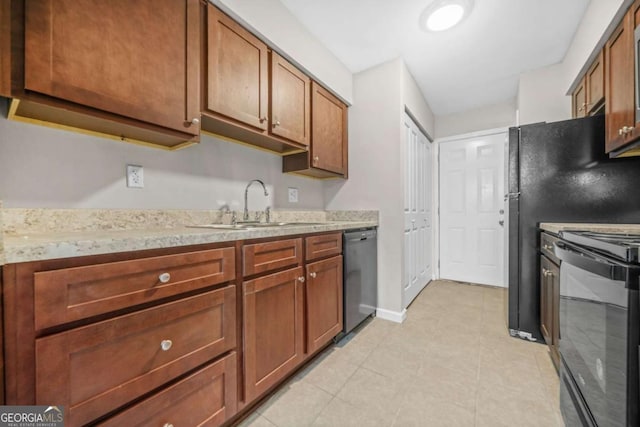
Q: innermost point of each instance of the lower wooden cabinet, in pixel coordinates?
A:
(273, 335)
(98, 368)
(550, 306)
(205, 398)
(323, 302)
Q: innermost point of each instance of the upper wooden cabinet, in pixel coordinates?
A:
(588, 97)
(252, 95)
(290, 101)
(579, 100)
(622, 125)
(126, 69)
(594, 83)
(327, 157)
(619, 70)
(237, 72)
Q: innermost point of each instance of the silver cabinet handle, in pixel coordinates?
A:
(312, 275)
(301, 279)
(195, 121)
(164, 277)
(168, 425)
(501, 222)
(620, 131)
(276, 124)
(166, 345)
(263, 119)
(547, 247)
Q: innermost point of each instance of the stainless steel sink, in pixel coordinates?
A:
(249, 225)
(220, 226)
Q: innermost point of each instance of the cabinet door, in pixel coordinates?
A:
(323, 302)
(546, 301)
(550, 306)
(328, 131)
(619, 85)
(205, 399)
(135, 59)
(580, 100)
(594, 82)
(237, 71)
(290, 101)
(95, 369)
(273, 336)
(554, 278)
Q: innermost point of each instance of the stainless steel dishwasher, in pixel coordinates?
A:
(360, 276)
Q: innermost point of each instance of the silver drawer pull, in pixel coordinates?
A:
(301, 279)
(313, 275)
(166, 345)
(167, 425)
(548, 247)
(164, 277)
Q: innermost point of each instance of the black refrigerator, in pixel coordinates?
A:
(559, 172)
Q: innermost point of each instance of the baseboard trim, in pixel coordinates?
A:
(394, 316)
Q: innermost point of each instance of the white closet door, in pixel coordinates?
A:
(418, 182)
(471, 201)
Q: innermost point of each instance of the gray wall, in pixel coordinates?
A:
(51, 168)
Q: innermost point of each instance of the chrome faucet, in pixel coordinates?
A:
(245, 216)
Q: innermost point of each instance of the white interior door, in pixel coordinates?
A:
(472, 209)
(418, 267)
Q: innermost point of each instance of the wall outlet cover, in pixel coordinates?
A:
(293, 195)
(135, 176)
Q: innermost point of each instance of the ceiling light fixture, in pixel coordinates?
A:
(441, 15)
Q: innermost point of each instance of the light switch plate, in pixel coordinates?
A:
(293, 195)
(135, 176)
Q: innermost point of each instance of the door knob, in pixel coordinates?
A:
(501, 222)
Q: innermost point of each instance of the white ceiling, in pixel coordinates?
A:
(469, 66)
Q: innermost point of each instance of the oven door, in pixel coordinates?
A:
(594, 307)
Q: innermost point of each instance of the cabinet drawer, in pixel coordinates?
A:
(323, 246)
(206, 398)
(546, 246)
(95, 369)
(70, 294)
(270, 256)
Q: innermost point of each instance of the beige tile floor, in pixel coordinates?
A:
(451, 363)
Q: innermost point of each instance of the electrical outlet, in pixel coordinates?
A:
(135, 176)
(293, 195)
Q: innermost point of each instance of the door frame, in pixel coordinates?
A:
(434, 195)
(436, 191)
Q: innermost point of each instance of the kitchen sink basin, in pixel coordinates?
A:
(220, 226)
(249, 226)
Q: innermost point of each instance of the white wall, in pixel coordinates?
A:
(274, 21)
(594, 23)
(414, 101)
(49, 168)
(494, 116)
(542, 93)
(375, 167)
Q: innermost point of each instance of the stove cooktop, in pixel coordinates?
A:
(625, 247)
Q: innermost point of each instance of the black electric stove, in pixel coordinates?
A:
(625, 247)
(599, 336)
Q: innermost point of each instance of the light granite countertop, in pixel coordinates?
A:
(34, 235)
(557, 227)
